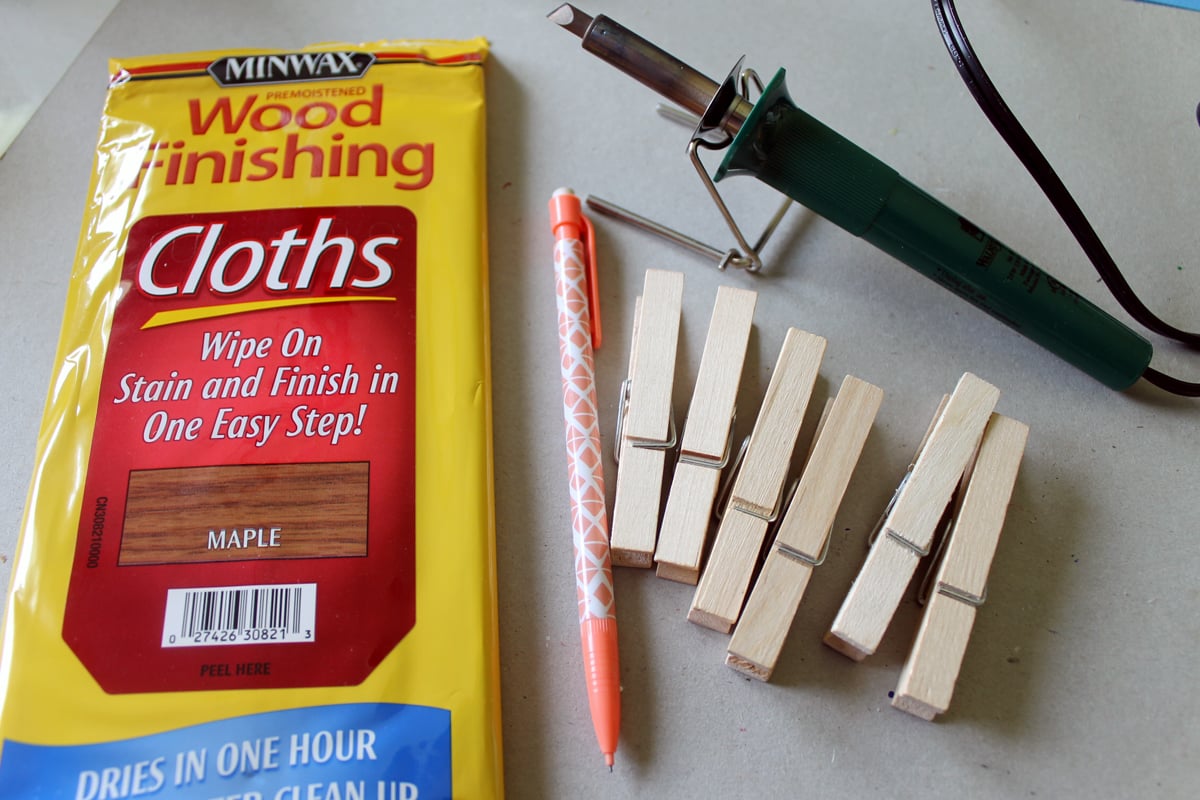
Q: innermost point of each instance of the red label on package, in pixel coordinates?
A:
(248, 513)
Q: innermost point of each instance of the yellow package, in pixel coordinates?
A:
(257, 560)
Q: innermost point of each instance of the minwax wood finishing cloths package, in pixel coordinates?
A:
(258, 555)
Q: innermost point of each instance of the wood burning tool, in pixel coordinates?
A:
(788, 149)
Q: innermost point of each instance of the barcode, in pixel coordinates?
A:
(240, 615)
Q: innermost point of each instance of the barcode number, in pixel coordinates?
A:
(240, 615)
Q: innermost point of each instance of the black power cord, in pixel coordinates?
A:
(1005, 122)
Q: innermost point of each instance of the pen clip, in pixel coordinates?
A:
(588, 234)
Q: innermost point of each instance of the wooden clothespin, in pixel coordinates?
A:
(707, 437)
(756, 496)
(913, 520)
(928, 678)
(803, 537)
(646, 429)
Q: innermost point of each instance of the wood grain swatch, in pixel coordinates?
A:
(245, 512)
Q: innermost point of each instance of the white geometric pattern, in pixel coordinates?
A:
(589, 517)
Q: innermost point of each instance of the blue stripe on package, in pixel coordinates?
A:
(343, 752)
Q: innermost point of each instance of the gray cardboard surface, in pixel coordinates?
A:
(1080, 676)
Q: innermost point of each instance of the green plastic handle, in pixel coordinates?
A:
(806, 160)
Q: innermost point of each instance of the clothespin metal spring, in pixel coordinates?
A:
(619, 435)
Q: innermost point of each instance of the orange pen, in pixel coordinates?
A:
(578, 332)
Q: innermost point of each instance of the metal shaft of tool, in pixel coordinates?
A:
(645, 62)
(625, 215)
